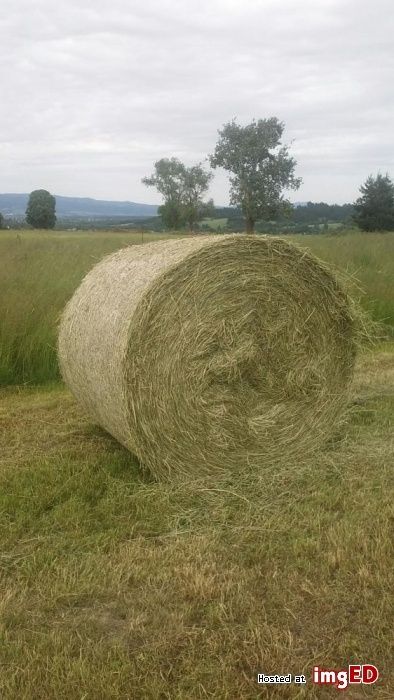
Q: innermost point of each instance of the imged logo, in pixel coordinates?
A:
(341, 678)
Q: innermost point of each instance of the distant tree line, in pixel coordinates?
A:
(308, 213)
(261, 169)
(320, 212)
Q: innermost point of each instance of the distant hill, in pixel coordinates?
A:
(80, 207)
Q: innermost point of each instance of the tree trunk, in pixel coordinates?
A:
(249, 225)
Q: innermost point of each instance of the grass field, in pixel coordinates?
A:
(114, 587)
(215, 224)
(39, 272)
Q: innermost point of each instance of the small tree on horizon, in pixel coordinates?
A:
(261, 168)
(41, 209)
(1, 220)
(182, 188)
(374, 209)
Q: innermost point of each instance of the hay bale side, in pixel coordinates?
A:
(205, 353)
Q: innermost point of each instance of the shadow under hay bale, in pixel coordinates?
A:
(210, 353)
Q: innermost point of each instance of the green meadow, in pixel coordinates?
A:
(117, 587)
(38, 273)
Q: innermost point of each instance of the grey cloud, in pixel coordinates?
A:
(93, 95)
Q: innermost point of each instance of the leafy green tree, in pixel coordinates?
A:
(171, 214)
(196, 184)
(374, 209)
(41, 208)
(1, 221)
(261, 168)
(182, 189)
(168, 179)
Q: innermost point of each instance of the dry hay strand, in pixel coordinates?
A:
(211, 353)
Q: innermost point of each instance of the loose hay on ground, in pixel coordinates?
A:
(211, 352)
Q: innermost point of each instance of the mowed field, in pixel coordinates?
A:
(115, 587)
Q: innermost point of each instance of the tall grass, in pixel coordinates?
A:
(39, 272)
(369, 260)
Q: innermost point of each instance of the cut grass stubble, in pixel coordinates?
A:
(115, 587)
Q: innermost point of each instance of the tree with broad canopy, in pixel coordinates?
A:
(261, 168)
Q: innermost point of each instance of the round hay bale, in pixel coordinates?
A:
(210, 352)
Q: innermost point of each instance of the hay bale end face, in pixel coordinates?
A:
(211, 352)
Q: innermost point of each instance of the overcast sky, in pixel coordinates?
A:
(93, 93)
